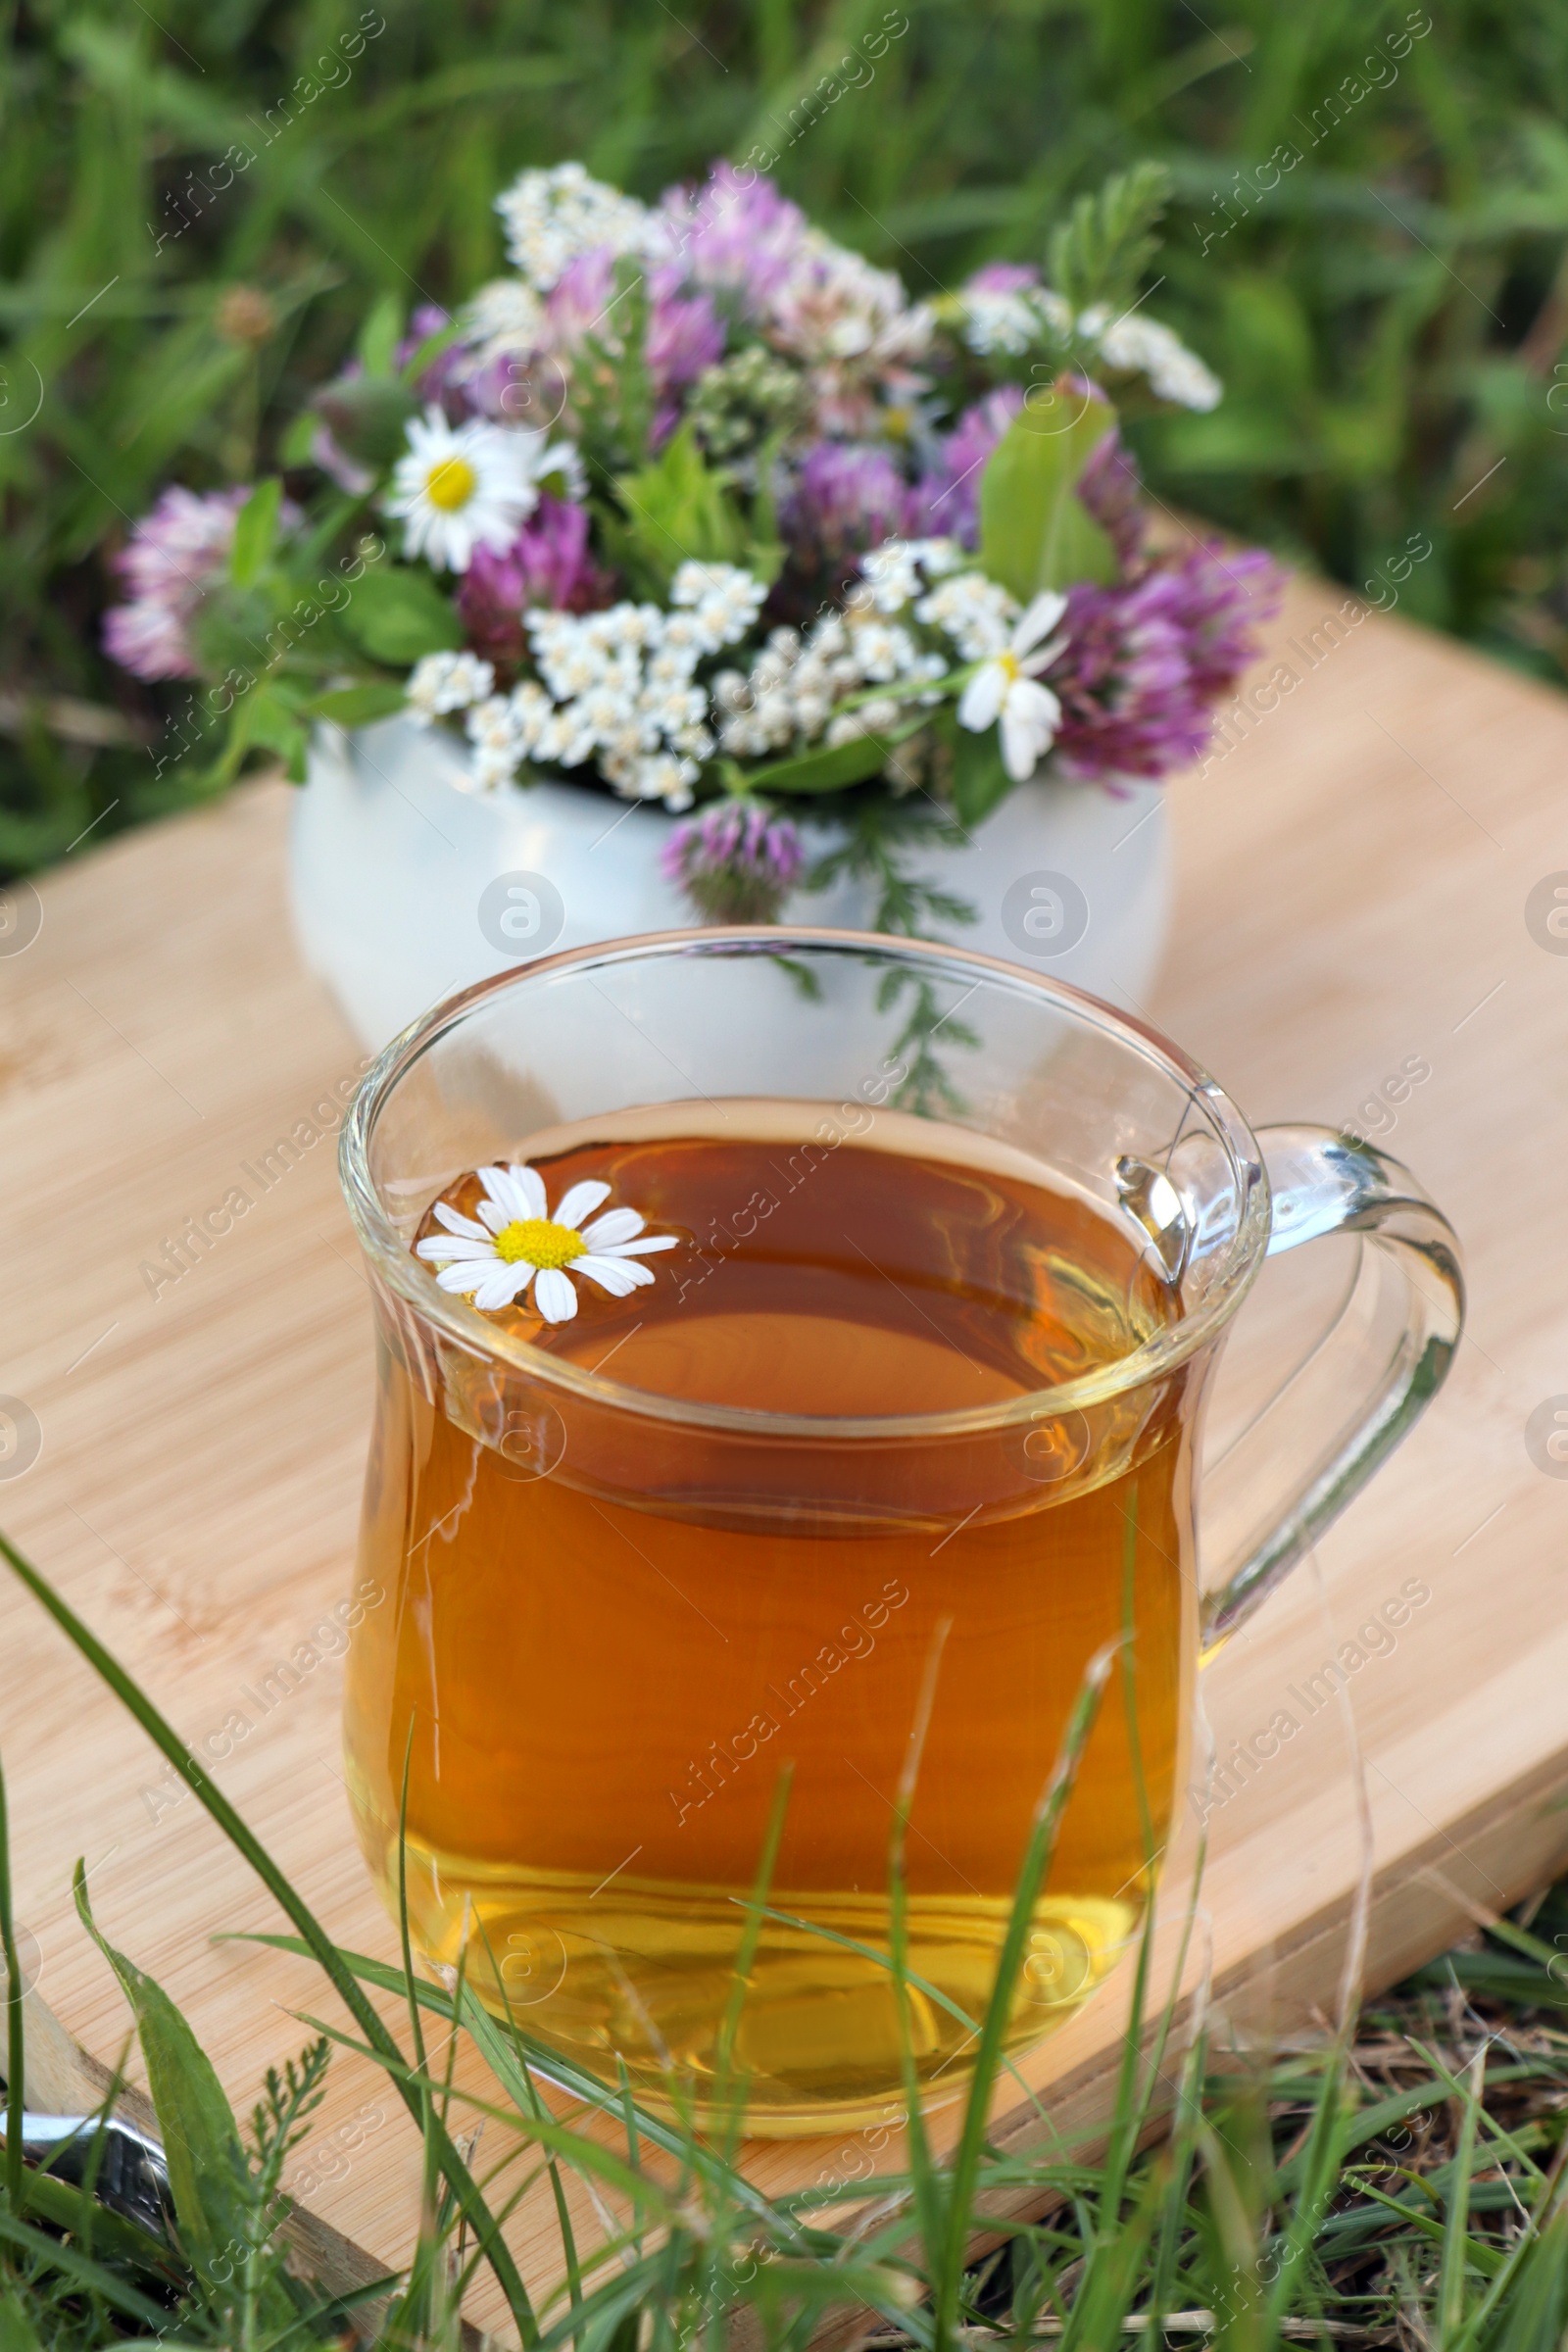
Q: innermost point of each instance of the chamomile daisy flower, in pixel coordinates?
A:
(459, 487)
(516, 1241)
(1005, 691)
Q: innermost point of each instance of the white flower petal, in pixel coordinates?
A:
(1038, 619)
(616, 1225)
(495, 1216)
(554, 1295)
(457, 1223)
(619, 1276)
(580, 1202)
(456, 1252)
(501, 1285)
(1018, 753)
(1043, 656)
(465, 1277)
(982, 699)
(1029, 718)
(1038, 704)
(655, 1240)
(504, 1193)
(530, 1189)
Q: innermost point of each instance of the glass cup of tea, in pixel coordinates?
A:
(783, 1335)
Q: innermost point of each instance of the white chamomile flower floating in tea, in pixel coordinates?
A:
(1006, 688)
(518, 1241)
(459, 487)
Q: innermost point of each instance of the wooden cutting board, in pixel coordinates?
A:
(1354, 873)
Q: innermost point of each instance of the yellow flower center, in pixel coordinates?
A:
(451, 484)
(1011, 668)
(540, 1241)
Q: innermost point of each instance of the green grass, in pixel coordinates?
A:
(1390, 318)
(1401, 2182)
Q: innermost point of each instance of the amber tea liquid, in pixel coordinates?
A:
(611, 1631)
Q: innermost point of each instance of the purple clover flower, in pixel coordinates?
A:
(1111, 488)
(1145, 661)
(685, 334)
(737, 861)
(578, 303)
(737, 239)
(846, 497)
(1003, 277)
(170, 558)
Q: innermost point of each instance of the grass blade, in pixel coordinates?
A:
(91, 2276)
(314, 1937)
(745, 1955)
(13, 2028)
(1037, 1861)
(1451, 2275)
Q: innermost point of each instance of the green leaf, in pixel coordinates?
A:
(397, 616)
(834, 765)
(255, 532)
(980, 781)
(17, 2330)
(425, 354)
(207, 2172)
(678, 509)
(275, 726)
(367, 417)
(356, 705)
(382, 334)
(1035, 531)
(763, 559)
(298, 438)
(1102, 248)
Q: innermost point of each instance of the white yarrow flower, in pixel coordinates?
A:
(876, 717)
(663, 778)
(459, 487)
(552, 217)
(506, 320)
(725, 599)
(442, 683)
(516, 1241)
(1005, 689)
(975, 613)
(1142, 347)
(994, 321)
(893, 571)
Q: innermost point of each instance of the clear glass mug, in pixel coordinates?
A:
(615, 1608)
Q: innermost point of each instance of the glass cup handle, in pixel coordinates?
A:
(1390, 1349)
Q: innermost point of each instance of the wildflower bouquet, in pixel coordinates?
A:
(697, 508)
